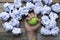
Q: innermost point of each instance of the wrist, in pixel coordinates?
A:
(31, 35)
(30, 31)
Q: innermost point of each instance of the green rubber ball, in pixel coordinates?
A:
(32, 21)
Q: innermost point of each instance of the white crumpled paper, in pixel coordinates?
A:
(34, 1)
(11, 8)
(4, 16)
(55, 31)
(7, 26)
(27, 0)
(37, 10)
(16, 15)
(46, 10)
(6, 7)
(56, 7)
(45, 20)
(25, 11)
(16, 31)
(17, 3)
(38, 7)
(51, 25)
(39, 4)
(47, 2)
(29, 5)
(53, 16)
(14, 22)
(45, 31)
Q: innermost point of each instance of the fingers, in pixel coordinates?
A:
(29, 15)
(27, 18)
(38, 20)
(26, 23)
(31, 28)
(36, 26)
(35, 15)
(32, 14)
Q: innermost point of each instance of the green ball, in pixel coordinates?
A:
(32, 21)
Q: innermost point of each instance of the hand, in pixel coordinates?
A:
(30, 28)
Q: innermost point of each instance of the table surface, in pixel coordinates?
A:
(8, 36)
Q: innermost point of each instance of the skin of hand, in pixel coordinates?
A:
(31, 29)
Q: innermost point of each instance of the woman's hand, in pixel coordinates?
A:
(28, 27)
(31, 29)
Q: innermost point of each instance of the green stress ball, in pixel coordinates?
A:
(32, 21)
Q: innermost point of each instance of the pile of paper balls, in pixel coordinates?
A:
(15, 11)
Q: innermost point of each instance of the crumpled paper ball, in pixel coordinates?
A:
(53, 16)
(6, 7)
(27, 0)
(7, 26)
(56, 7)
(17, 0)
(39, 4)
(38, 7)
(37, 10)
(25, 11)
(51, 25)
(4, 16)
(45, 10)
(47, 2)
(55, 31)
(45, 31)
(45, 20)
(16, 15)
(17, 3)
(14, 22)
(16, 31)
(21, 10)
(34, 1)
(11, 7)
(29, 5)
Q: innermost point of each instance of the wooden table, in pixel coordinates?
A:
(8, 36)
